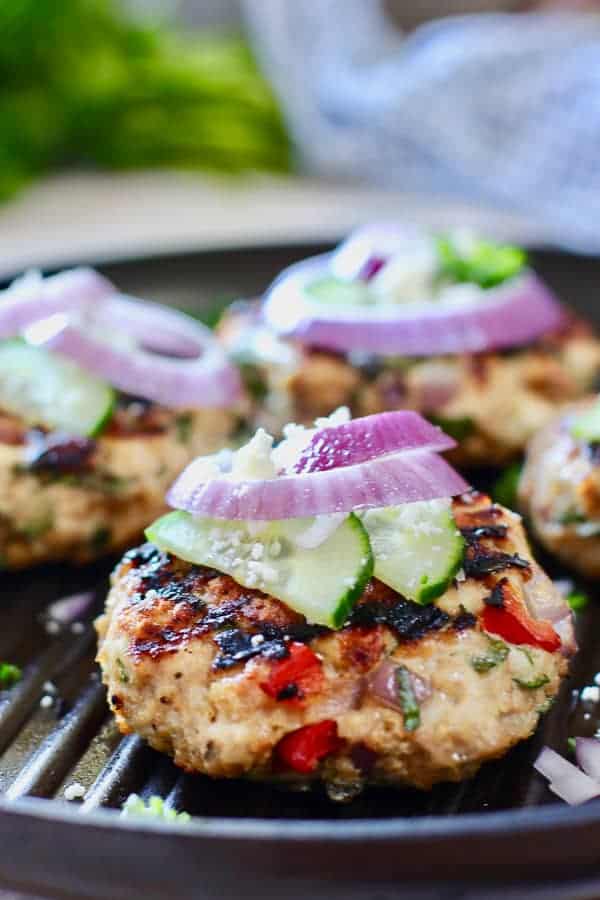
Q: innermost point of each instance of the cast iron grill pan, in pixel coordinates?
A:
(502, 824)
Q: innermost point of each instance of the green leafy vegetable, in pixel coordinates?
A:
(496, 654)
(504, 489)
(84, 81)
(534, 684)
(577, 600)
(407, 698)
(154, 808)
(9, 675)
(479, 262)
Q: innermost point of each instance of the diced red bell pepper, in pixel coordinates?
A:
(301, 672)
(513, 622)
(303, 749)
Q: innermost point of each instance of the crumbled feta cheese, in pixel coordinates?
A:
(47, 701)
(257, 639)
(49, 687)
(253, 461)
(74, 791)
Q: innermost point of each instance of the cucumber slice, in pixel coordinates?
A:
(322, 583)
(337, 292)
(586, 427)
(46, 389)
(417, 547)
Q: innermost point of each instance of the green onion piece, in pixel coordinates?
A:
(9, 675)
(534, 684)
(497, 653)
(407, 698)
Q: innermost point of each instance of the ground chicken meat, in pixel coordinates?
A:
(231, 682)
(559, 491)
(68, 498)
(492, 402)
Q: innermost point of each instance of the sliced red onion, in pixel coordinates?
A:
(383, 684)
(587, 753)
(33, 297)
(566, 780)
(547, 603)
(206, 380)
(403, 477)
(72, 608)
(368, 437)
(514, 313)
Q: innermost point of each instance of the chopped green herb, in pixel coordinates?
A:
(546, 705)
(497, 653)
(577, 600)
(534, 684)
(154, 808)
(459, 428)
(100, 538)
(572, 518)
(481, 263)
(407, 698)
(183, 427)
(504, 489)
(254, 381)
(37, 528)
(123, 676)
(9, 675)
(526, 653)
(571, 744)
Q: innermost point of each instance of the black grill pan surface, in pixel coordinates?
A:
(500, 832)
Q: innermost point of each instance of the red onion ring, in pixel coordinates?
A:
(566, 780)
(207, 380)
(514, 313)
(382, 683)
(31, 298)
(368, 437)
(403, 477)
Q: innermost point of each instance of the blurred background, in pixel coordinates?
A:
(139, 126)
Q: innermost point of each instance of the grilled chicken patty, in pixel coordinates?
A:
(559, 491)
(231, 682)
(491, 402)
(70, 498)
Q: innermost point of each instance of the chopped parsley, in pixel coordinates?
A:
(479, 262)
(153, 808)
(534, 684)
(9, 675)
(183, 428)
(577, 600)
(408, 701)
(496, 654)
(123, 676)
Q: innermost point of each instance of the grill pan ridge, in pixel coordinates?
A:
(501, 825)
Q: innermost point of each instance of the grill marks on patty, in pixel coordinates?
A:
(174, 602)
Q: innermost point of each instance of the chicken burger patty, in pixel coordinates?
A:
(559, 491)
(70, 498)
(231, 682)
(492, 403)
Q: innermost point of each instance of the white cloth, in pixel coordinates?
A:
(497, 109)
